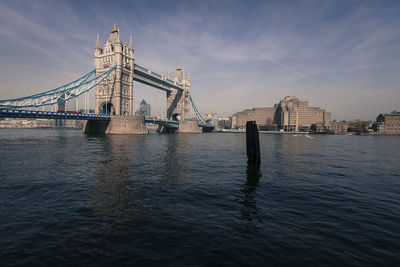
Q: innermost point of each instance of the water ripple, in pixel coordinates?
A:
(183, 200)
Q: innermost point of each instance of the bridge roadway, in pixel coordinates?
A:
(31, 114)
(13, 113)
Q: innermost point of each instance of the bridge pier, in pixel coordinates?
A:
(189, 127)
(95, 126)
(117, 125)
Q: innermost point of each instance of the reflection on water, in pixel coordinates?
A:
(176, 150)
(113, 192)
(249, 210)
(253, 177)
(120, 180)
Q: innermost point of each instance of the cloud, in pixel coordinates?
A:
(286, 67)
(239, 55)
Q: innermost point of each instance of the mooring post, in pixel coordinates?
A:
(252, 143)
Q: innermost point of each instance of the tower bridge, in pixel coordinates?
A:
(112, 80)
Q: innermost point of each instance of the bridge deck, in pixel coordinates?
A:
(30, 114)
(11, 113)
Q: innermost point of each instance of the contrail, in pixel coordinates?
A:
(286, 67)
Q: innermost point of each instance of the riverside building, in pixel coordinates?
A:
(264, 118)
(290, 114)
(340, 126)
(388, 123)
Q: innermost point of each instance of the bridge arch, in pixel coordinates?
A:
(107, 108)
(177, 116)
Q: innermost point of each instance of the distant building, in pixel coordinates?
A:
(224, 123)
(61, 103)
(210, 116)
(388, 123)
(290, 114)
(145, 108)
(264, 118)
(26, 123)
(340, 126)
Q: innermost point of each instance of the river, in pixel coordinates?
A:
(190, 199)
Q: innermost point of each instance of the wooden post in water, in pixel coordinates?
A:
(252, 143)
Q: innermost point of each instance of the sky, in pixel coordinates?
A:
(342, 56)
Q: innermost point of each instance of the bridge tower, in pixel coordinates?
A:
(178, 102)
(114, 95)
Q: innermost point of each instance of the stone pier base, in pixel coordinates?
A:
(189, 127)
(117, 125)
(95, 127)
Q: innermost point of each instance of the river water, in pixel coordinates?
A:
(189, 199)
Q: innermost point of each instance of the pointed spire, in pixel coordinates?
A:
(118, 37)
(98, 42)
(130, 42)
(114, 29)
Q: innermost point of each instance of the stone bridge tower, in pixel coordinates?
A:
(114, 95)
(178, 102)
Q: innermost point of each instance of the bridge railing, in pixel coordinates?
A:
(149, 72)
(136, 66)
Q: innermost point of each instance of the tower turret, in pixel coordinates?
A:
(97, 52)
(178, 102)
(97, 43)
(178, 76)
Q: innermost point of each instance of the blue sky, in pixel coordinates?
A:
(343, 56)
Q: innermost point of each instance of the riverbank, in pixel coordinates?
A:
(307, 133)
(263, 132)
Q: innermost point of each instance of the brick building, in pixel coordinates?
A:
(389, 123)
(264, 118)
(340, 126)
(290, 114)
